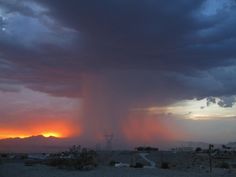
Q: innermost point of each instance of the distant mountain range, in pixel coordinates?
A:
(35, 144)
(191, 144)
(232, 144)
(201, 144)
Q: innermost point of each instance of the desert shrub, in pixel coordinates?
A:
(55, 161)
(140, 148)
(76, 159)
(233, 165)
(23, 156)
(4, 155)
(146, 149)
(165, 165)
(112, 163)
(137, 165)
(149, 149)
(224, 165)
(198, 149)
(87, 158)
(74, 151)
(31, 162)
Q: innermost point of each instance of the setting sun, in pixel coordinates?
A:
(48, 134)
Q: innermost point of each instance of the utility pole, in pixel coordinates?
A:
(210, 156)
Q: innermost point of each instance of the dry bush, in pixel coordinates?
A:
(76, 159)
(31, 162)
(4, 155)
(112, 163)
(165, 165)
(224, 165)
(137, 165)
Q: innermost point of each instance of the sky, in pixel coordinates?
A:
(145, 71)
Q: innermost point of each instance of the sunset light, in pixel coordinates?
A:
(60, 129)
(3, 136)
(20, 134)
(117, 83)
(54, 134)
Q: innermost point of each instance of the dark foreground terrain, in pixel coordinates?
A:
(166, 164)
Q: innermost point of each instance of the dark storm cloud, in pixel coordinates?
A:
(119, 56)
(157, 51)
(227, 102)
(149, 34)
(17, 6)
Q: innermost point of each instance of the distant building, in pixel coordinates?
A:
(228, 149)
(146, 149)
(183, 149)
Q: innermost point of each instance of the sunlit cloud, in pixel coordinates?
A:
(196, 109)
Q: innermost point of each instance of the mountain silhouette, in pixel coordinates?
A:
(34, 144)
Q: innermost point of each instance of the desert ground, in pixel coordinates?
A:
(184, 164)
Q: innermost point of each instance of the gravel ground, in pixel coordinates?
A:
(20, 170)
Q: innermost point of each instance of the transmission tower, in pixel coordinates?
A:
(109, 138)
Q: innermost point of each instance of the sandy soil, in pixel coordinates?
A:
(20, 170)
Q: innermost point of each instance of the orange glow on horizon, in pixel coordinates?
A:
(50, 134)
(54, 134)
(4, 136)
(59, 129)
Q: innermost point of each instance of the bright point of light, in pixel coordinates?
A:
(54, 134)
